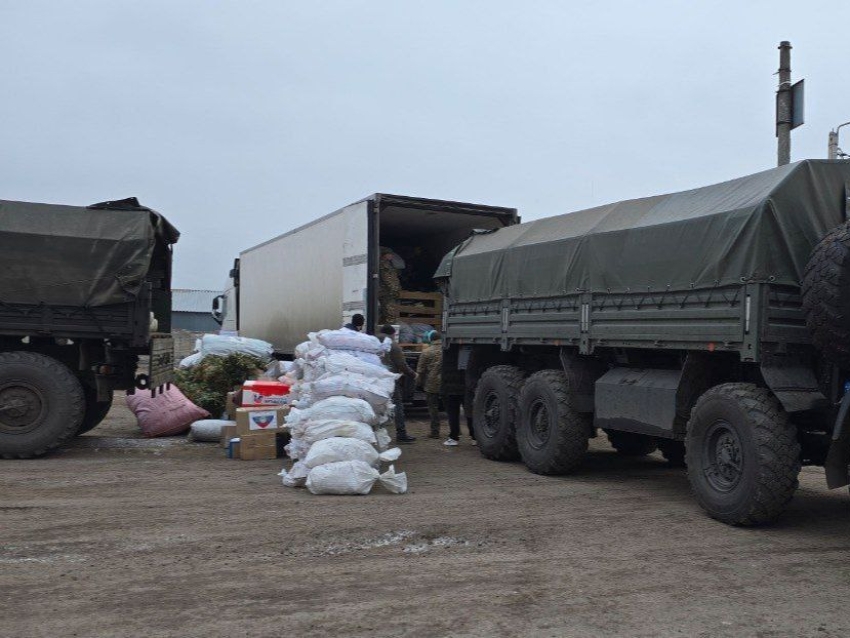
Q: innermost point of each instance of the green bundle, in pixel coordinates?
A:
(207, 383)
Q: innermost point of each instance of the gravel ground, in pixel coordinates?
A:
(119, 536)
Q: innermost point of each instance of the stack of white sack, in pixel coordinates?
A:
(222, 345)
(340, 465)
(341, 363)
(342, 398)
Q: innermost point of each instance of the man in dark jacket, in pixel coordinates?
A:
(394, 360)
(453, 389)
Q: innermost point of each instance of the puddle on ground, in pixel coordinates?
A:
(413, 542)
(436, 543)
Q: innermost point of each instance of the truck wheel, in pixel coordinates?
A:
(552, 436)
(41, 404)
(673, 452)
(631, 444)
(742, 453)
(495, 412)
(96, 411)
(827, 307)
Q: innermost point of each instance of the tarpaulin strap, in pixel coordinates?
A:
(640, 303)
(732, 301)
(622, 300)
(687, 294)
(711, 293)
(663, 294)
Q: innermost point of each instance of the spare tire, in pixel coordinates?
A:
(826, 295)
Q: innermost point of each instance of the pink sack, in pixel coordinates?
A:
(165, 414)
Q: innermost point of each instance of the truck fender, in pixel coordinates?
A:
(581, 375)
(793, 382)
(838, 457)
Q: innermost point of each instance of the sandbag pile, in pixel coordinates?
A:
(342, 398)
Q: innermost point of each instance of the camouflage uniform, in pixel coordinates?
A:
(388, 291)
(429, 375)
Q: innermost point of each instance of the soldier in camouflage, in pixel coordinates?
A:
(429, 377)
(389, 288)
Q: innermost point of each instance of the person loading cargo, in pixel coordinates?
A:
(429, 377)
(389, 287)
(394, 360)
(356, 323)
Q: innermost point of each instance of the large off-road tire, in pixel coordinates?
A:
(631, 444)
(495, 412)
(41, 404)
(826, 302)
(673, 452)
(742, 453)
(96, 411)
(552, 437)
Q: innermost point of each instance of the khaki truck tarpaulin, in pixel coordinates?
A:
(755, 228)
(87, 256)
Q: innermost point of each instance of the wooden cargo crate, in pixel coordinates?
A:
(420, 307)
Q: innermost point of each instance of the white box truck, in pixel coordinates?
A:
(321, 274)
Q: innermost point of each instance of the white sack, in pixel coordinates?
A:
(223, 346)
(307, 433)
(310, 350)
(337, 449)
(353, 477)
(350, 340)
(313, 431)
(342, 408)
(192, 360)
(375, 392)
(383, 438)
(296, 449)
(208, 429)
(368, 357)
(345, 363)
(296, 476)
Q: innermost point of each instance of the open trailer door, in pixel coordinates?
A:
(356, 255)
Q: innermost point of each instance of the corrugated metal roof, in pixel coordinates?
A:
(186, 300)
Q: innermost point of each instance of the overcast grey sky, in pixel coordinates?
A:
(241, 120)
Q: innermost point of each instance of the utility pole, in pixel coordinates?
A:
(833, 145)
(834, 151)
(783, 105)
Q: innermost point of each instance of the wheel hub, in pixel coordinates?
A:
(539, 424)
(492, 414)
(21, 408)
(723, 457)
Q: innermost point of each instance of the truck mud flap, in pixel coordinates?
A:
(838, 457)
(161, 368)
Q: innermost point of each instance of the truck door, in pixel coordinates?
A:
(355, 262)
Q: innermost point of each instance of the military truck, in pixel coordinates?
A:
(712, 325)
(85, 292)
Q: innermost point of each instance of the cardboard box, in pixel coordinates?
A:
(263, 392)
(258, 447)
(261, 419)
(233, 401)
(228, 432)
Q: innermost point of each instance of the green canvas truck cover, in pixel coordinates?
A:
(77, 256)
(756, 228)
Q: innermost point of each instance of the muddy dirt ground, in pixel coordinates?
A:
(119, 536)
